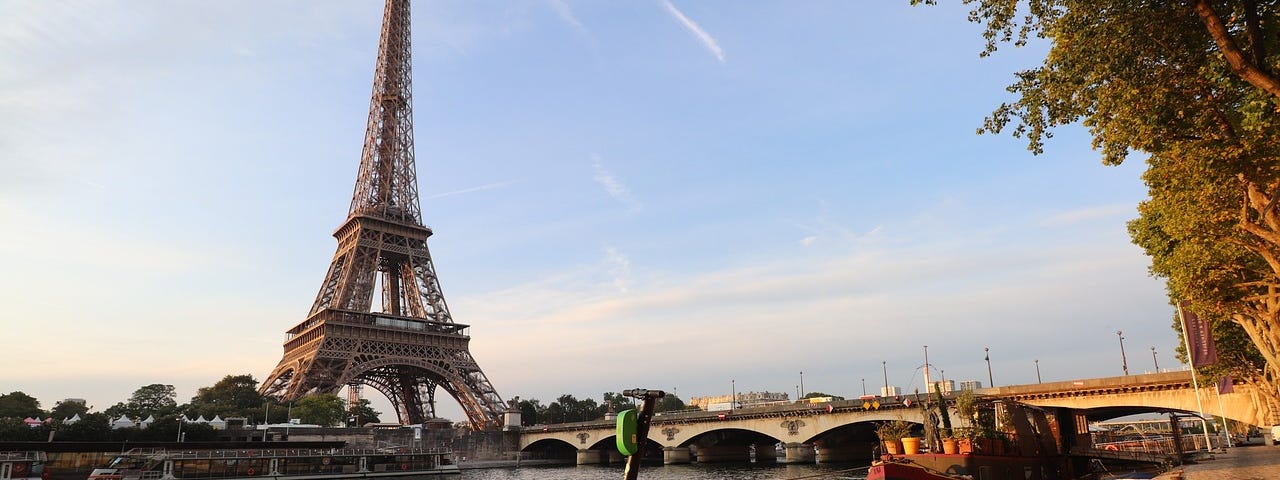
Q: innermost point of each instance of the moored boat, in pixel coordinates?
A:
(293, 464)
(24, 465)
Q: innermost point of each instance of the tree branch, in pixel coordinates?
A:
(1254, 30)
(1241, 66)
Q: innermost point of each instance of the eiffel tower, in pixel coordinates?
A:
(412, 345)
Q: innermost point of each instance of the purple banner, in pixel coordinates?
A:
(1199, 338)
(1224, 385)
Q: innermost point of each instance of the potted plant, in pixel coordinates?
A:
(891, 434)
(949, 445)
(967, 408)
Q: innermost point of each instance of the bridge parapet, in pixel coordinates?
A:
(1148, 382)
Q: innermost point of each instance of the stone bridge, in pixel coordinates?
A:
(845, 430)
(841, 430)
(1111, 397)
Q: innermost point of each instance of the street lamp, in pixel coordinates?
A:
(733, 390)
(1038, 371)
(1154, 359)
(1124, 362)
(802, 382)
(885, 367)
(986, 355)
(180, 416)
(864, 387)
(926, 369)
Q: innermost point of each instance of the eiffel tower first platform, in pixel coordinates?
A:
(412, 345)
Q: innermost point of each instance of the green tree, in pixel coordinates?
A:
(92, 427)
(233, 396)
(155, 399)
(64, 409)
(324, 409)
(363, 413)
(531, 411)
(670, 403)
(19, 405)
(1192, 84)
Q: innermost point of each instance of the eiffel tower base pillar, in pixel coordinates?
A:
(675, 455)
(590, 457)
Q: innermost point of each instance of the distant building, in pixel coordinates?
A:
(970, 385)
(890, 391)
(947, 386)
(744, 399)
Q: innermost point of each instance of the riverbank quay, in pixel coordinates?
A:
(1250, 462)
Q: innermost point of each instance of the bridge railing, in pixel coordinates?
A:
(1153, 444)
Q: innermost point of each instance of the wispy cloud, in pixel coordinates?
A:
(613, 186)
(619, 268)
(562, 9)
(697, 31)
(488, 186)
(1090, 213)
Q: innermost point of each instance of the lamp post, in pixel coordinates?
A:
(1124, 361)
(986, 355)
(733, 391)
(885, 366)
(1154, 359)
(802, 382)
(180, 417)
(864, 387)
(1038, 371)
(926, 369)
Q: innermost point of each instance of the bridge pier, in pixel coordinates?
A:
(615, 456)
(675, 455)
(849, 452)
(799, 453)
(766, 453)
(590, 457)
(724, 454)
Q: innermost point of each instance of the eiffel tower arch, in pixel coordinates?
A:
(411, 346)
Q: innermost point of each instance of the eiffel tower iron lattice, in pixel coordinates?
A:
(412, 346)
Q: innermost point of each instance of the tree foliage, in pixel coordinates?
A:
(325, 409)
(19, 405)
(233, 396)
(567, 408)
(64, 410)
(1191, 84)
(363, 412)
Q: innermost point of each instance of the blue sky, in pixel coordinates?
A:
(650, 193)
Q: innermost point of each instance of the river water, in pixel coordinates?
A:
(675, 472)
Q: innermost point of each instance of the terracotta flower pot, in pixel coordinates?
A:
(965, 445)
(950, 446)
(911, 445)
(893, 447)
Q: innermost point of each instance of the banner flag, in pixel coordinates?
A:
(1199, 338)
(1224, 385)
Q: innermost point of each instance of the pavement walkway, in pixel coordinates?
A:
(1250, 462)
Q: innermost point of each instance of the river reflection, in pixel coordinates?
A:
(675, 472)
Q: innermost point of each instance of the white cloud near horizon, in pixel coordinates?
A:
(705, 38)
(614, 187)
(1079, 215)
(957, 295)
